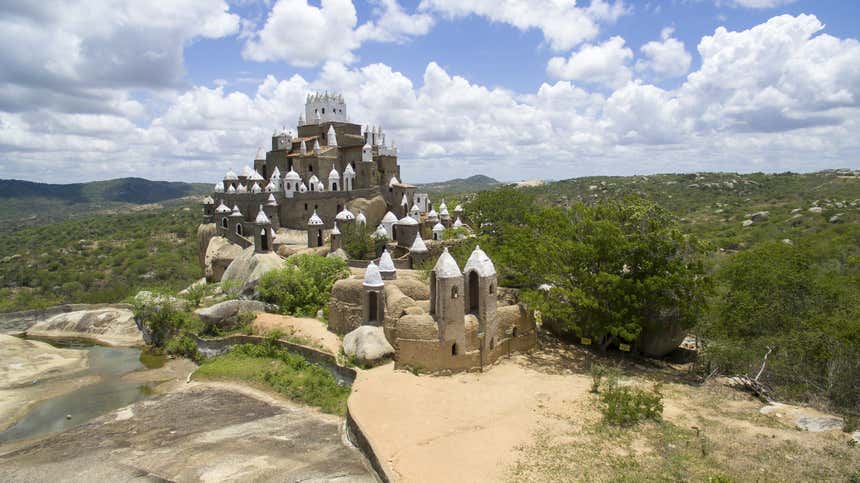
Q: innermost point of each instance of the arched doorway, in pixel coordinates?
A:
(239, 230)
(319, 238)
(334, 186)
(264, 240)
(224, 222)
(372, 307)
(473, 292)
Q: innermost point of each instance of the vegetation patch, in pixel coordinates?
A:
(303, 286)
(276, 368)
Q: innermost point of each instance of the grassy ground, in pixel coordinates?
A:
(279, 370)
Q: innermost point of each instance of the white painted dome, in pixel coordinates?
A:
(208, 201)
(272, 201)
(231, 176)
(320, 187)
(333, 174)
(458, 223)
(432, 215)
(219, 187)
(246, 171)
(438, 227)
(314, 180)
(372, 277)
(241, 189)
(393, 181)
(276, 173)
(345, 215)
(222, 208)
(262, 218)
(480, 262)
(292, 176)
(443, 206)
(255, 176)
(418, 245)
(335, 230)
(380, 232)
(446, 266)
(361, 219)
(386, 264)
(315, 219)
(389, 218)
(231, 189)
(236, 211)
(255, 188)
(407, 220)
(458, 208)
(348, 171)
(303, 188)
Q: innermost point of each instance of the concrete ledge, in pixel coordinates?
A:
(359, 439)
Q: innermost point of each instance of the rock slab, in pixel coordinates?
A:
(112, 325)
(367, 344)
(225, 315)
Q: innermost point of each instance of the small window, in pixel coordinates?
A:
(514, 332)
(454, 349)
(492, 289)
(323, 110)
(455, 292)
(492, 343)
(289, 186)
(316, 207)
(239, 229)
(224, 222)
(306, 207)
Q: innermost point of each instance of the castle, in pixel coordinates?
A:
(333, 173)
(307, 181)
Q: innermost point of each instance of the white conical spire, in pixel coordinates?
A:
(360, 219)
(276, 173)
(446, 266)
(331, 136)
(480, 262)
(418, 245)
(316, 146)
(262, 219)
(303, 148)
(260, 154)
(315, 219)
(386, 264)
(372, 277)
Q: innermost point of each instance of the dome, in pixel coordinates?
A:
(458, 223)
(241, 189)
(443, 211)
(292, 176)
(231, 189)
(446, 266)
(272, 201)
(303, 188)
(432, 215)
(262, 218)
(315, 219)
(333, 174)
(260, 154)
(345, 215)
(361, 219)
(415, 208)
(393, 181)
(380, 232)
(417, 327)
(246, 172)
(458, 208)
(314, 180)
(438, 227)
(255, 188)
(236, 211)
(386, 264)
(335, 230)
(222, 208)
(276, 173)
(389, 218)
(316, 145)
(443, 206)
(404, 201)
(320, 187)
(255, 176)
(407, 220)
(348, 171)
(372, 277)
(231, 176)
(418, 245)
(208, 201)
(271, 187)
(219, 188)
(481, 263)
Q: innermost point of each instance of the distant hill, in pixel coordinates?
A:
(25, 203)
(471, 184)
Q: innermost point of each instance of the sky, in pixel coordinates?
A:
(184, 90)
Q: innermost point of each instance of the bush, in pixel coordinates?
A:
(183, 346)
(357, 241)
(161, 316)
(626, 405)
(304, 285)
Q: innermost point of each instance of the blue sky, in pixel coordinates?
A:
(513, 89)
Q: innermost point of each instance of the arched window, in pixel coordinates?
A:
(372, 304)
(306, 207)
(312, 186)
(455, 292)
(264, 241)
(492, 288)
(323, 110)
(289, 186)
(454, 349)
(239, 230)
(473, 292)
(334, 186)
(514, 332)
(224, 222)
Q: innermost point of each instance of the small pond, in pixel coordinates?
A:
(88, 402)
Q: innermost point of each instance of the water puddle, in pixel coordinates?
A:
(109, 364)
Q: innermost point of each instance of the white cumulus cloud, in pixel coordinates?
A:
(665, 58)
(605, 63)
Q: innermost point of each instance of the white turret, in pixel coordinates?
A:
(367, 153)
(331, 137)
(372, 277)
(315, 219)
(316, 146)
(415, 212)
(262, 219)
(230, 176)
(418, 245)
(255, 188)
(360, 219)
(219, 187)
(334, 180)
(291, 183)
(345, 215)
(438, 232)
(380, 233)
(386, 266)
(276, 174)
(320, 187)
(303, 148)
(222, 208)
(348, 177)
(261, 156)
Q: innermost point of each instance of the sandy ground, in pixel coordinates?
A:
(311, 329)
(533, 418)
(464, 427)
(202, 432)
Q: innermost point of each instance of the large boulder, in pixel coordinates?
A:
(368, 345)
(205, 233)
(220, 253)
(374, 209)
(225, 315)
(246, 269)
(413, 288)
(111, 325)
(660, 338)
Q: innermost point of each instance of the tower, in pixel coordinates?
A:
(374, 296)
(446, 302)
(334, 180)
(208, 209)
(348, 177)
(262, 236)
(315, 231)
(481, 300)
(334, 237)
(386, 266)
(325, 108)
(331, 136)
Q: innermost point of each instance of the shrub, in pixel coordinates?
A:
(183, 346)
(161, 316)
(357, 241)
(304, 285)
(626, 405)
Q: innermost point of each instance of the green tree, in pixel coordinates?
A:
(303, 286)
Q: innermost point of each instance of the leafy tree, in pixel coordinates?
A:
(303, 286)
(357, 241)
